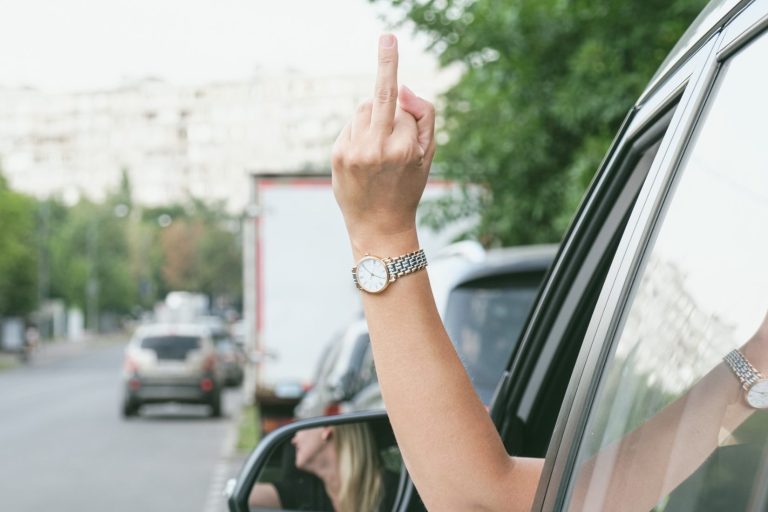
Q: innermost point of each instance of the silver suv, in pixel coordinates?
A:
(171, 363)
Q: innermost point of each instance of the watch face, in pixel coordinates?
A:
(372, 275)
(757, 396)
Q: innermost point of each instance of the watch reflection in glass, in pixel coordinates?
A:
(757, 396)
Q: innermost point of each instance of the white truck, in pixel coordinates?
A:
(298, 288)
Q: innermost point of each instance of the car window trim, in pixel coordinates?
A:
(569, 276)
(630, 186)
(740, 31)
(583, 282)
(618, 284)
(694, 48)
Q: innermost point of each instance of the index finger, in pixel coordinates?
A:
(385, 93)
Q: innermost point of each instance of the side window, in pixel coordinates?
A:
(669, 429)
(367, 368)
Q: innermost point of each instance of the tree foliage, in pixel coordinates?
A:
(545, 86)
(18, 255)
(130, 256)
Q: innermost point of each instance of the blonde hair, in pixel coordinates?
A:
(360, 469)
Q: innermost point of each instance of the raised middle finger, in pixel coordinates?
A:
(385, 92)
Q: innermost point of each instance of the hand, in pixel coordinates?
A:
(381, 162)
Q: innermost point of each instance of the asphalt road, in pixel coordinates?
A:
(65, 447)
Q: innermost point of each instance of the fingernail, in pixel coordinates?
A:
(407, 90)
(386, 40)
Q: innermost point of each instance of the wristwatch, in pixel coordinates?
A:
(373, 274)
(754, 384)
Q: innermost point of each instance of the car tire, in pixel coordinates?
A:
(130, 409)
(216, 406)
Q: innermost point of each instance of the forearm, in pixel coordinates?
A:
(264, 495)
(442, 427)
(679, 438)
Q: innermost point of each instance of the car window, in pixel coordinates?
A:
(484, 321)
(701, 292)
(346, 372)
(368, 368)
(326, 361)
(171, 347)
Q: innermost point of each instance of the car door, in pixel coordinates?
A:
(686, 284)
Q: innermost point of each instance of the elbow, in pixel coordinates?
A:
(511, 487)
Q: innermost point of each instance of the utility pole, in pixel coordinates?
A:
(92, 282)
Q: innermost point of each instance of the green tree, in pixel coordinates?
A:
(18, 254)
(545, 85)
(201, 253)
(88, 243)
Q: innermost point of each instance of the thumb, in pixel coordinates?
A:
(423, 112)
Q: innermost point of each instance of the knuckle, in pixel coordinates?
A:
(400, 154)
(386, 58)
(364, 106)
(386, 94)
(338, 157)
(369, 157)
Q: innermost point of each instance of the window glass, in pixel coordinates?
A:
(171, 347)
(669, 429)
(484, 324)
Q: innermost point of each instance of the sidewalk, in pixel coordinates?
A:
(54, 350)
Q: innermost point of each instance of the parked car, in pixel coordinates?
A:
(484, 298)
(171, 363)
(231, 360)
(487, 306)
(661, 274)
(344, 369)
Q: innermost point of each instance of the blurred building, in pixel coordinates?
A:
(174, 140)
(666, 325)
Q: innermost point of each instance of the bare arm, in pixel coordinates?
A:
(670, 446)
(452, 450)
(264, 496)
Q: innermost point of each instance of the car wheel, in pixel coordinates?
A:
(130, 409)
(216, 406)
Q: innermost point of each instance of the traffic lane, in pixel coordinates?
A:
(64, 445)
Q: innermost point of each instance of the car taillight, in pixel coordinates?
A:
(206, 384)
(332, 409)
(134, 384)
(210, 363)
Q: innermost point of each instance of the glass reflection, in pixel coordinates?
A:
(670, 416)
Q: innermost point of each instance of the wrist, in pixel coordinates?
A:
(384, 245)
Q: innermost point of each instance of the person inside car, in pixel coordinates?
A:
(456, 458)
(346, 461)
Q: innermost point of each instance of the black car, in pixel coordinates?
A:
(661, 274)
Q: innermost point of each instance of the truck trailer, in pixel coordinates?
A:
(298, 289)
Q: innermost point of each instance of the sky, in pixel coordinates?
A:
(76, 45)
